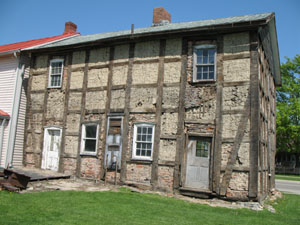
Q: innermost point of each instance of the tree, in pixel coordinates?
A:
(288, 107)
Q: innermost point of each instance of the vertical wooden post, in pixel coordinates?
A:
(254, 117)
(160, 80)
(180, 143)
(66, 106)
(44, 113)
(116, 171)
(126, 114)
(219, 119)
(82, 114)
(107, 106)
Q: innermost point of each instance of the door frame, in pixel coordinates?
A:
(45, 144)
(189, 136)
(114, 116)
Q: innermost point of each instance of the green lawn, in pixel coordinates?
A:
(71, 207)
(287, 177)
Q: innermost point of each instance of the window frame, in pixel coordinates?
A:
(134, 143)
(51, 75)
(195, 69)
(84, 138)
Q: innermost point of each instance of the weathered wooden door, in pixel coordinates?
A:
(51, 150)
(113, 149)
(197, 164)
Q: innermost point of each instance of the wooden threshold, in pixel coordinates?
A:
(195, 192)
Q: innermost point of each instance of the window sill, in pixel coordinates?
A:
(93, 154)
(203, 83)
(140, 161)
(54, 87)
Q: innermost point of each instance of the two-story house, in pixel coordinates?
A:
(186, 107)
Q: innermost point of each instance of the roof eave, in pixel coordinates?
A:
(10, 52)
(255, 23)
(275, 50)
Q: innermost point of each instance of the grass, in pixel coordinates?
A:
(287, 177)
(71, 207)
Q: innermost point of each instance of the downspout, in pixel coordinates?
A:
(15, 112)
(1, 136)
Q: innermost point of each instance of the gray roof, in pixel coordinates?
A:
(158, 29)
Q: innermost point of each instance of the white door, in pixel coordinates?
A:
(197, 169)
(51, 150)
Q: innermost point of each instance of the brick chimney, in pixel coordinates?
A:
(161, 17)
(70, 27)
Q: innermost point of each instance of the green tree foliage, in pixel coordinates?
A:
(288, 107)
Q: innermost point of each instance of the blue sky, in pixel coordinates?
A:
(22, 20)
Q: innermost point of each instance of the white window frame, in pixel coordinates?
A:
(50, 73)
(84, 138)
(207, 46)
(134, 156)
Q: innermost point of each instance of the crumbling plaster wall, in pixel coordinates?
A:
(236, 104)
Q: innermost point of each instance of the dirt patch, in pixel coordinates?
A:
(76, 184)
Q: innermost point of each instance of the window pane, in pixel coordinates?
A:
(205, 59)
(149, 146)
(211, 52)
(143, 153)
(148, 153)
(199, 59)
(143, 137)
(91, 131)
(55, 80)
(139, 137)
(90, 145)
(138, 152)
(149, 130)
(138, 145)
(143, 145)
(211, 75)
(205, 76)
(144, 130)
(139, 130)
(149, 137)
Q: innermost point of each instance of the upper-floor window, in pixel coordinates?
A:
(204, 63)
(55, 73)
(143, 139)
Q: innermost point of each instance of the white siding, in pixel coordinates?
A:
(8, 66)
(19, 141)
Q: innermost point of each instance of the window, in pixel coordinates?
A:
(204, 63)
(89, 138)
(202, 147)
(143, 141)
(55, 73)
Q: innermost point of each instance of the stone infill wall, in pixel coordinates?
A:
(99, 82)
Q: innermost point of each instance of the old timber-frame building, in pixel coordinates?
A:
(186, 107)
